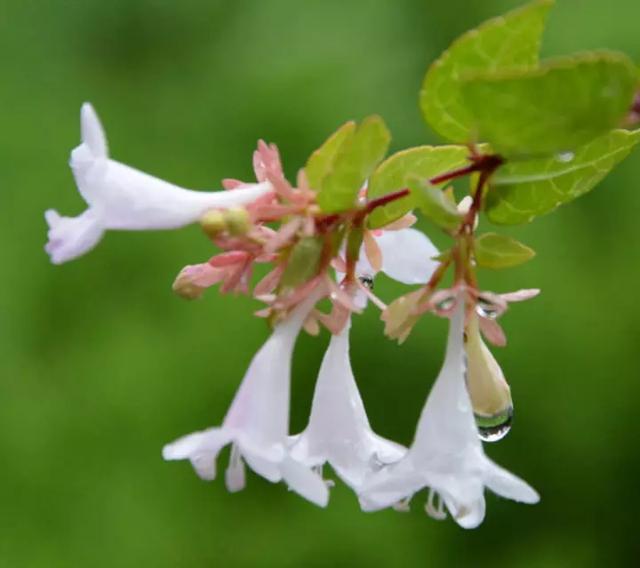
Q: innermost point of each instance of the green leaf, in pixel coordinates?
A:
(321, 161)
(499, 251)
(303, 263)
(520, 191)
(422, 162)
(435, 205)
(509, 41)
(564, 103)
(355, 160)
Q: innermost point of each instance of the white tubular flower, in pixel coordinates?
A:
(446, 454)
(123, 198)
(339, 432)
(257, 423)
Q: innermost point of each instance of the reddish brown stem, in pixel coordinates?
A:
(386, 199)
(454, 174)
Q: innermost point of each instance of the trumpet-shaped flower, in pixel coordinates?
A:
(446, 454)
(123, 198)
(257, 423)
(339, 432)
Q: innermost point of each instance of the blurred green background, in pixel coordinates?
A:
(101, 364)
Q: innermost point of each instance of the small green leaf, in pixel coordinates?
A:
(321, 161)
(564, 103)
(435, 205)
(303, 263)
(355, 160)
(422, 162)
(509, 41)
(520, 191)
(499, 251)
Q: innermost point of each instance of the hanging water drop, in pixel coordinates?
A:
(367, 281)
(486, 309)
(494, 428)
(446, 304)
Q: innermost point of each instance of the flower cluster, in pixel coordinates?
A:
(315, 254)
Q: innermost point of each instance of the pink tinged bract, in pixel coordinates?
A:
(447, 455)
(123, 198)
(339, 432)
(257, 423)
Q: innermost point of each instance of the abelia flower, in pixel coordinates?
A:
(446, 454)
(123, 198)
(339, 432)
(257, 423)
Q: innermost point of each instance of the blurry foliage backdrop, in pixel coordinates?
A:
(101, 364)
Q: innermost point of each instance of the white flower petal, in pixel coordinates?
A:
(504, 483)
(71, 237)
(407, 256)
(305, 482)
(201, 448)
(391, 485)
(469, 515)
(92, 132)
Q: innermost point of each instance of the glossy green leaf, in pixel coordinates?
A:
(320, 163)
(499, 251)
(520, 191)
(303, 263)
(435, 205)
(422, 162)
(564, 103)
(355, 160)
(508, 41)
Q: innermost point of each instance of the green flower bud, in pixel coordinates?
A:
(489, 391)
(213, 222)
(237, 221)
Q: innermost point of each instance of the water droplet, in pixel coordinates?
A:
(494, 428)
(367, 281)
(565, 157)
(487, 309)
(446, 304)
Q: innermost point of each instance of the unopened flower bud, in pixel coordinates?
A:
(489, 392)
(237, 221)
(213, 222)
(185, 287)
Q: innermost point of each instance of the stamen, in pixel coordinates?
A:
(234, 476)
(433, 509)
(376, 301)
(318, 469)
(403, 506)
